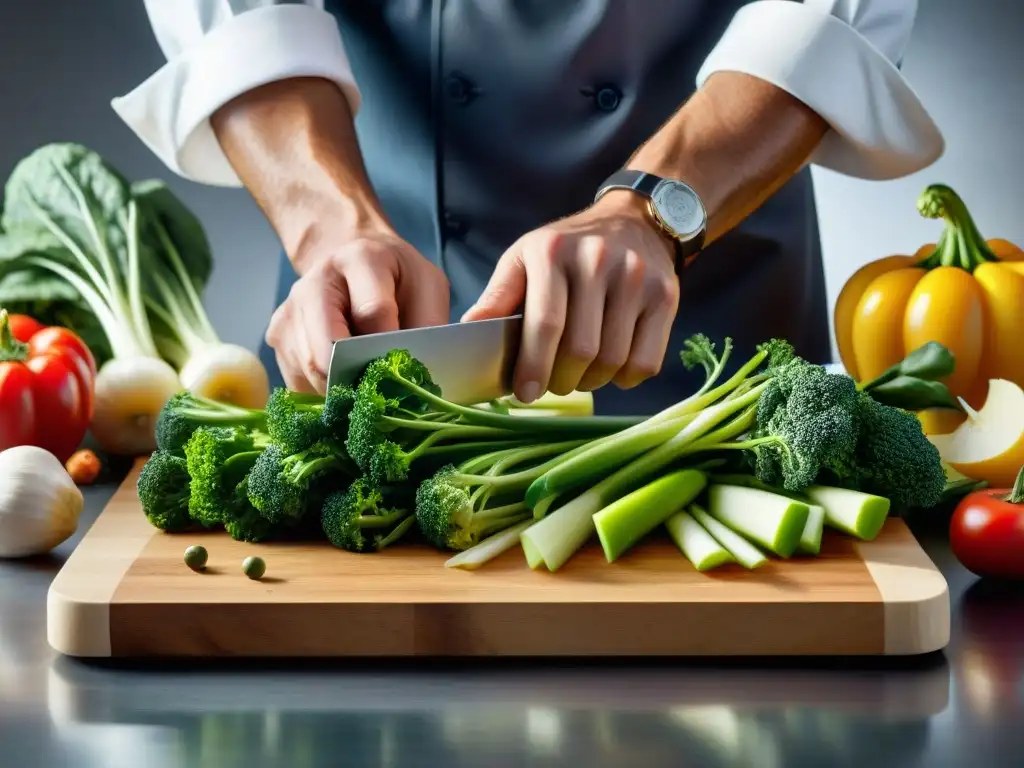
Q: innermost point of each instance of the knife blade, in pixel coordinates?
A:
(472, 362)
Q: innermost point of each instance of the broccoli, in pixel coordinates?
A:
(280, 485)
(218, 459)
(893, 458)
(297, 421)
(242, 520)
(357, 519)
(452, 514)
(807, 423)
(163, 489)
(399, 416)
(185, 412)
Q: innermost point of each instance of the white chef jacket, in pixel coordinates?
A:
(840, 57)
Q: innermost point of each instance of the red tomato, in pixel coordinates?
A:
(986, 532)
(46, 389)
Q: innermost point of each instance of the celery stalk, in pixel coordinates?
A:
(624, 522)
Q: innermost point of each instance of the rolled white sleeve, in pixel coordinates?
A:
(217, 50)
(840, 58)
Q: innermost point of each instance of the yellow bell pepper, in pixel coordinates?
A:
(963, 292)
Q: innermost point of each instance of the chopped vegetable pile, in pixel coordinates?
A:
(759, 463)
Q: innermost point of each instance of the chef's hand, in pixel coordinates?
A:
(370, 283)
(599, 293)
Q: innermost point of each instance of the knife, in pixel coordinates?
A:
(472, 362)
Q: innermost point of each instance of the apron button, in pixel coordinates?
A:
(607, 98)
(460, 89)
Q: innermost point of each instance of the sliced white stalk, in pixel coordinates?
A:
(745, 553)
(227, 373)
(130, 392)
(489, 548)
(698, 546)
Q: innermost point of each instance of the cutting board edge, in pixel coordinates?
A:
(917, 610)
(78, 608)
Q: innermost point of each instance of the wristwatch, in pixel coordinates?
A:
(675, 208)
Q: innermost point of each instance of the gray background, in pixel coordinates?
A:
(61, 61)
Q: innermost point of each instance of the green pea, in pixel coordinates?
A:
(195, 557)
(254, 567)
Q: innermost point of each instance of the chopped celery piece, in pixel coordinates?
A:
(699, 546)
(745, 553)
(810, 539)
(775, 522)
(853, 512)
(628, 519)
(488, 549)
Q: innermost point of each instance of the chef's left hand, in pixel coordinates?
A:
(599, 294)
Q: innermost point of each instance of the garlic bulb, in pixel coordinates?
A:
(39, 502)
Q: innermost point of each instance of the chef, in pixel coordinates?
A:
(625, 173)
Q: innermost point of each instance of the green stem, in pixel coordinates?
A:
(11, 350)
(1017, 494)
(381, 521)
(397, 532)
(136, 305)
(582, 425)
(123, 344)
(202, 326)
(464, 430)
(961, 244)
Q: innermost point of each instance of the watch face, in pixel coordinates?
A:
(678, 207)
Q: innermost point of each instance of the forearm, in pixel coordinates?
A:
(293, 145)
(736, 141)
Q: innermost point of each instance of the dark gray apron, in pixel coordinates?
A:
(484, 119)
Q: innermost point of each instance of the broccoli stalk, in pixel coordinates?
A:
(186, 412)
(453, 506)
(357, 519)
(400, 416)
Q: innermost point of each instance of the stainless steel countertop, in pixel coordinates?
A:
(964, 707)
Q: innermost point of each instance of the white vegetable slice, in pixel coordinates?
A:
(699, 546)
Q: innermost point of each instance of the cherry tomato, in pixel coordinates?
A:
(986, 532)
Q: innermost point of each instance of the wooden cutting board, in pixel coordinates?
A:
(126, 592)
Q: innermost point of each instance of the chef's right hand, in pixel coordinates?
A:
(371, 283)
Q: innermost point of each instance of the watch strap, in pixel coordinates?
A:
(638, 181)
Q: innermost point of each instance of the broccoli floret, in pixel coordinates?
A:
(242, 520)
(297, 421)
(357, 519)
(894, 458)
(452, 514)
(163, 489)
(218, 459)
(281, 485)
(185, 412)
(806, 423)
